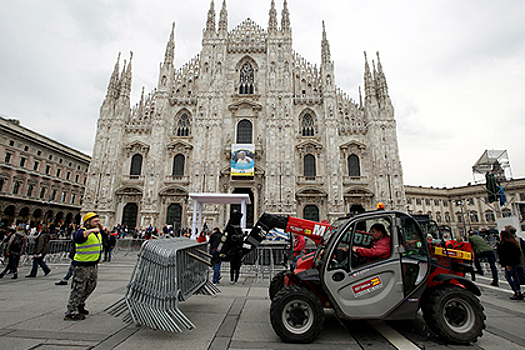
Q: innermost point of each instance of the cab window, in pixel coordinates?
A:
(412, 240)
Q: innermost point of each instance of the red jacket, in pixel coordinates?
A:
(380, 249)
(298, 246)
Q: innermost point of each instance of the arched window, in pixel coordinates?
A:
(42, 192)
(30, 189)
(136, 165)
(178, 165)
(311, 212)
(184, 125)
(244, 131)
(129, 215)
(309, 166)
(246, 79)
(16, 187)
(308, 125)
(353, 165)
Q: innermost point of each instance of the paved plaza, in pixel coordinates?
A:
(32, 312)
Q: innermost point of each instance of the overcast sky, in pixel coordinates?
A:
(455, 69)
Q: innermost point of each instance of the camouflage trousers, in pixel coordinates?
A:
(84, 283)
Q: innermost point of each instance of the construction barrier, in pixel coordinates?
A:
(167, 271)
(58, 250)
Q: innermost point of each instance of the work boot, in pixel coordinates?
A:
(15, 276)
(82, 310)
(30, 276)
(61, 283)
(495, 284)
(74, 317)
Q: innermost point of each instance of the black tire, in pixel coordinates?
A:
(454, 314)
(297, 315)
(276, 284)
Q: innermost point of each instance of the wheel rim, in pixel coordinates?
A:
(297, 316)
(459, 315)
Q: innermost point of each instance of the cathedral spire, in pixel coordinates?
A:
(325, 48)
(272, 22)
(285, 19)
(113, 81)
(170, 48)
(368, 80)
(383, 87)
(223, 19)
(127, 77)
(210, 23)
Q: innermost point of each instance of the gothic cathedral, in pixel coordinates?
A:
(246, 115)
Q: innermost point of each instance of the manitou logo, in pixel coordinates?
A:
(319, 230)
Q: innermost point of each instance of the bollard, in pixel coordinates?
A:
(167, 272)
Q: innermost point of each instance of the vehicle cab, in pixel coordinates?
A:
(368, 286)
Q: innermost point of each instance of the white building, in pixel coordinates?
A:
(318, 153)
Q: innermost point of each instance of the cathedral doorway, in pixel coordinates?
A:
(249, 207)
(174, 217)
(129, 215)
(311, 212)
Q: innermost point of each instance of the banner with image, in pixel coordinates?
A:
(243, 160)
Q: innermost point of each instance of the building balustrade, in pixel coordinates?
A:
(310, 180)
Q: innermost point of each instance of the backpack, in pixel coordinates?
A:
(16, 244)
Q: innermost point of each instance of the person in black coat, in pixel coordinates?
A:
(109, 243)
(509, 257)
(215, 239)
(42, 243)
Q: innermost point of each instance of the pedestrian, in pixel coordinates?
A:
(42, 242)
(483, 250)
(215, 239)
(521, 266)
(71, 255)
(509, 257)
(88, 242)
(203, 238)
(235, 266)
(109, 243)
(16, 246)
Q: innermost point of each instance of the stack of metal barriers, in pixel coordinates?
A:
(167, 271)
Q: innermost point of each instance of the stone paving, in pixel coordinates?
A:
(237, 318)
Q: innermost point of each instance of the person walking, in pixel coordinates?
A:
(109, 244)
(42, 242)
(509, 257)
(483, 250)
(215, 239)
(16, 247)
(235, 267)
(88, 244)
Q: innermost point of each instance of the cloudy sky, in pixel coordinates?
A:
(455, 69)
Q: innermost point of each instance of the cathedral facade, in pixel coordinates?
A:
(308, 149)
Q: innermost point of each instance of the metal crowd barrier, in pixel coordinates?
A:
(268, 259)
(167, 271)
(128, 245)
(58, 250)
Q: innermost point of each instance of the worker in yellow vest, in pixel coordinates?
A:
(89, 248)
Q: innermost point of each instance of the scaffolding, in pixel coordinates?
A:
(493, 172)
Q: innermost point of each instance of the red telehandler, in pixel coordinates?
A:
(420, 273)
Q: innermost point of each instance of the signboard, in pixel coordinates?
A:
(367, 286)
(242, 160)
